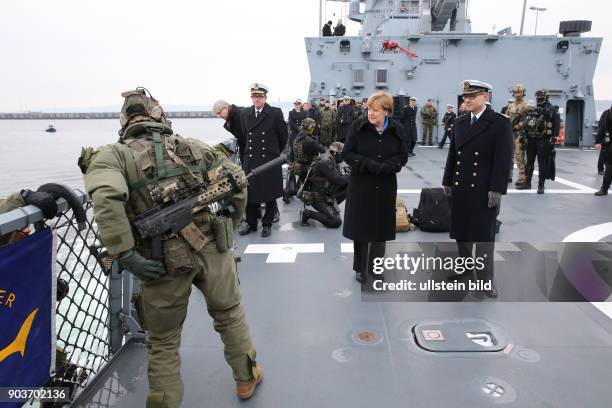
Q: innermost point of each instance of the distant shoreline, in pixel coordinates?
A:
(99, 115)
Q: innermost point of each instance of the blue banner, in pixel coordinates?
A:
(27, 311)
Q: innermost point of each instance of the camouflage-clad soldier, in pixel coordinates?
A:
(540, 128)
(127, 178)
(429, 116)
(516, 112)
(324, 189)
(305, 148)
(328, 125)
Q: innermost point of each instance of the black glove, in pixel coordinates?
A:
(44, 201)
(142, 268)
(386, 169)
(374, 167)
(363, 165)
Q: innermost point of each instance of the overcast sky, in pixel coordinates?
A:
(64, 54)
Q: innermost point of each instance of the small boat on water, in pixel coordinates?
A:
(50, 129)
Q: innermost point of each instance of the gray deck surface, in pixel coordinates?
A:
(305, 316)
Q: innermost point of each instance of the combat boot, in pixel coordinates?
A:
(245, 228)
(540, 188)
(246, 390)
(304, 218)
(602, 192)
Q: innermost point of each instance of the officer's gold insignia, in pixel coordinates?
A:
(466, 85)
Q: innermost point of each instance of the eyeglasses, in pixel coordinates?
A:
(473, 96)
(218, 113)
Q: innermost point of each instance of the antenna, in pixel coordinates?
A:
(523, 18)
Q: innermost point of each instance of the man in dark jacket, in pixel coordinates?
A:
(346, 116)
(408, 120)
(448, 122)
(603, 143)
(266, 136)
(340, 29)
(231, 115)
(324, 189)
(313, 113)
(476, 176)
(327, 31)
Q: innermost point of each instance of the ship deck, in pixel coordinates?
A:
(306, 312)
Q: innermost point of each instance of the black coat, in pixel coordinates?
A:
(234, 126)
(266, 137)
(346, 116)
(479, 160)
(339, 30)
(448, 120)
(369, 213)
(408, 120)
(327, 31)
(295, 120)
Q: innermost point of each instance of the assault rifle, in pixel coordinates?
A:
(176, 213)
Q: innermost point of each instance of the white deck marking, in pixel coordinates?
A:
(284, 253)
(594, 233)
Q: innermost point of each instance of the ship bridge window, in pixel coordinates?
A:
(381, 77)
(563, 45)
(358, 77)
(345, 46)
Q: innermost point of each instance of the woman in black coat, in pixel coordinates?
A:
(376, 150)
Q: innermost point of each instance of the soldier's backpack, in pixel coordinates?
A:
(535, 123)
(433, 213)
(402, 219)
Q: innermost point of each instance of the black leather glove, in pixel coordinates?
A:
(44, 201)
(363, 165)
(386, 169)
(142, 268)
(374, 167)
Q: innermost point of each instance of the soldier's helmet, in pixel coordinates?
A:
(542, 94)
(308, 124)
(139, 106)
(336, 147)
(519, 88)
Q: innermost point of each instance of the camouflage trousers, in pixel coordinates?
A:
(519, 159)
(163, 308)
(326, 137)
(427, 134)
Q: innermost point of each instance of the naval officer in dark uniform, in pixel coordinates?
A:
(476, 176)
(266, 136)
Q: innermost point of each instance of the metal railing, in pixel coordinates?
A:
(96, 318)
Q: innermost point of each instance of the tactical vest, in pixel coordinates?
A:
(538, 122)
(515, 112)
(169, 169)
(316, 181)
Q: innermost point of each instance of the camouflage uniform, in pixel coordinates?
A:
(328, 126)
(429, 115)
(516, 112)
(124, 180)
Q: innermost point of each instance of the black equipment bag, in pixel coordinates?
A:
(433, 213)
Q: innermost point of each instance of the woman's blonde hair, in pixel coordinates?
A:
(382, 100)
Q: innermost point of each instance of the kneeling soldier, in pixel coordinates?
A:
(324, 189)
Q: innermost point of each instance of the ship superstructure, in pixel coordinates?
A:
(443, 51)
